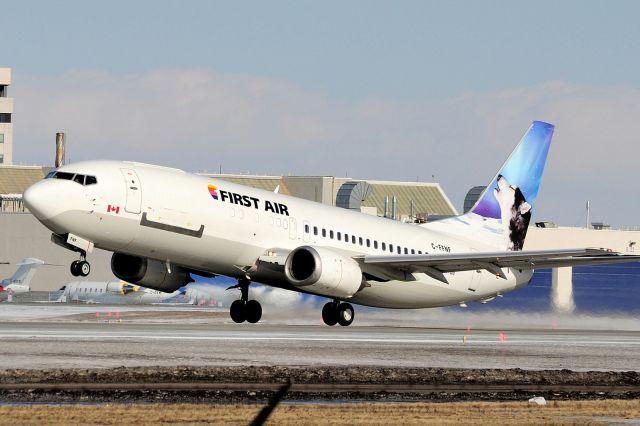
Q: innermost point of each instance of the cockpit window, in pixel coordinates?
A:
(78, 178)
(63, 175)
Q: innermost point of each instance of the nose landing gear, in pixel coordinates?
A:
(244, 309)
(338, 313)
(80, 268)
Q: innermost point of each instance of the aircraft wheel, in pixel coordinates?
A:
(75, 270)
(330, 313)
(83, 268)
(253, 311)
(345, 314)
(238, 311)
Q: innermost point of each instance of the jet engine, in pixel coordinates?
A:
(323, 271)
(149, 273)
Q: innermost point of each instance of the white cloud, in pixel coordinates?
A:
(198, 119)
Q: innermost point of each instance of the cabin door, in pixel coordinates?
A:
(134, 192)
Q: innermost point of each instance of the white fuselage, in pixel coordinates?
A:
(14, 289)
(110, 292)
(227, 235)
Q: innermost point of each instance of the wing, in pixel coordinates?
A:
(436, 265)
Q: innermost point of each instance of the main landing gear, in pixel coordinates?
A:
(80, 268)
(244, 309)
(338, 313)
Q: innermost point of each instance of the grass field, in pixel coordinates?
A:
(476, 413)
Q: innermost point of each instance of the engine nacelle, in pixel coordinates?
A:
(148, 273)
(322, 271)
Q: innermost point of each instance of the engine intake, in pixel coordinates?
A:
(149, 273)
(323, 271)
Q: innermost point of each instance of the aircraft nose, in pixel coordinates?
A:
(41, 200)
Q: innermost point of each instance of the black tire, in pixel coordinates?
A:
(238, 312)
(346, 313)
(330, 314)
(84, 268)
(75, 271)
(253, 311)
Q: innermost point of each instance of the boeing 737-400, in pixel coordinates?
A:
(164, 224)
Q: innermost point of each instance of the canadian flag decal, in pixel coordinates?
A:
(115, 209)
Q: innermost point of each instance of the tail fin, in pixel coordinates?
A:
(25, 272)
(505, 206)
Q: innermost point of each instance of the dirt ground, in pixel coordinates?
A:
(279, 374)
(477, 413)
(575, 385)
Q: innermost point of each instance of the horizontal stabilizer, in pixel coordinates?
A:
(435, 265)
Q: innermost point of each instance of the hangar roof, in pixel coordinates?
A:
(16, 179)
(268, 183)
(427, 198)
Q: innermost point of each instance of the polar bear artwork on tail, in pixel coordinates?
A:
(515, 213)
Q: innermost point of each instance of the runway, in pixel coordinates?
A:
(78, 340)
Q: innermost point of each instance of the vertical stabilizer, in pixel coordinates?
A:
(503, 212)
(25, 272)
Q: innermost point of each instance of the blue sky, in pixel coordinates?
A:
(372, 89)
(349, 48)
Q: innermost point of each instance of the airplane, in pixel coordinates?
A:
(164, 224)
(121, 292)
(21, 279)
(97, 292)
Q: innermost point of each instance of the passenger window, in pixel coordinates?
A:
(375, 244)
(406, 251)
(360, 240)
(353, 239)
(331, 234)
(419, 251)
(368, 242)
(306, 228)
(90, 180)
(384, 246)
(339, 236)
(315, 230)
(413, 251)
(324, 232)
(391, 248)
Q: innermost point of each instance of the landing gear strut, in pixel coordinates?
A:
(244, 309)
(80, 268)
(338, 313)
